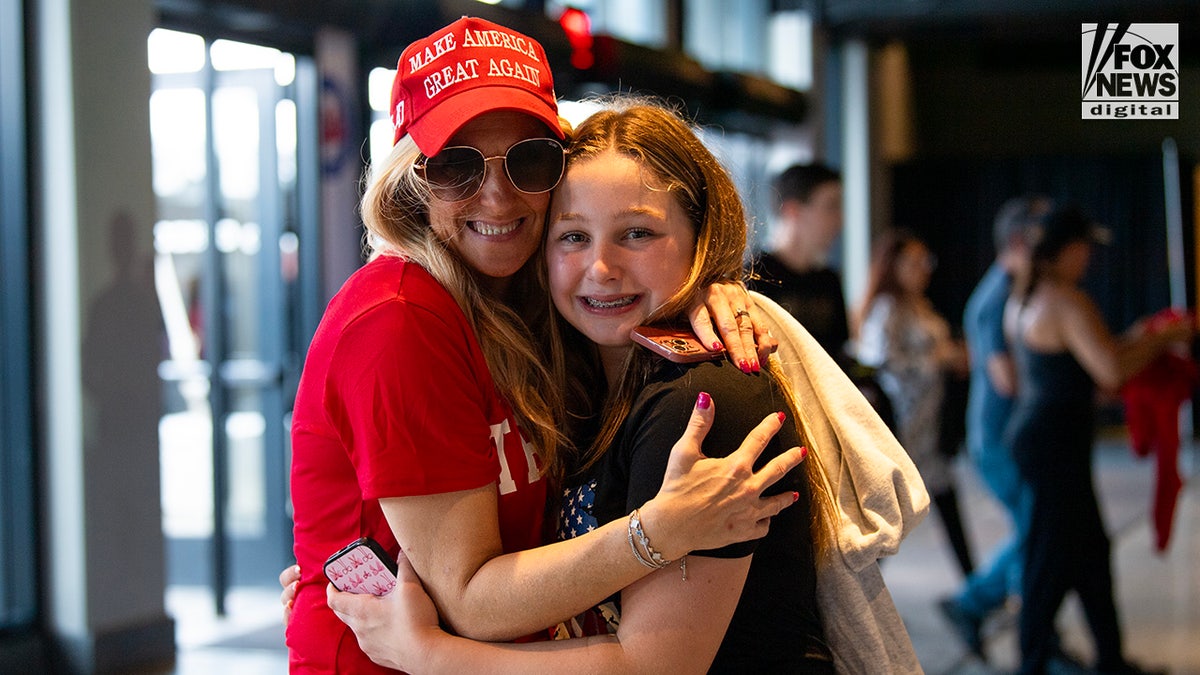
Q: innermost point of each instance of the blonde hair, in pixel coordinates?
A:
(661, 141)
(395, 211)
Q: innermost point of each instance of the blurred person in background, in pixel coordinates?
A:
(1063, 352)
(796, 273)
(910, 344)
(989, 403)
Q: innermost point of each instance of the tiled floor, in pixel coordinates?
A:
(247, 641)
(1158, 596)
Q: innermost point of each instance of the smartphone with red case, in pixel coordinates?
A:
(674, 344)
(362, 567)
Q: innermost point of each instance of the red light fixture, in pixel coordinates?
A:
(577, 26)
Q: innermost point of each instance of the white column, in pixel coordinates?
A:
(856, 167)
(100, 337)
(341, 240)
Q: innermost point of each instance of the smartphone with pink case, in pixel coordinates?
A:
(674, 344)
(362, 567)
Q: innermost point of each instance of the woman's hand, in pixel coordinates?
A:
(289, 579)
(1181, 330)
(707, 503)
(1166, 330)
(744, 335)
(396, 630)
(954, 357)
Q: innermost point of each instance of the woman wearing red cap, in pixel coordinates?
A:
(424, 417)
(645, 218)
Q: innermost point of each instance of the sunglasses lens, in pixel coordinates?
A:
(455, 173)
(535, 165)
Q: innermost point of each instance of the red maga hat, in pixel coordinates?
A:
(466, 69)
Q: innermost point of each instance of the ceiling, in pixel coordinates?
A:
(997, 35)
(1015, 19)
(383, 27)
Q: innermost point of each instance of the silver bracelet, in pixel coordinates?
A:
(633, 547)
(652, 559)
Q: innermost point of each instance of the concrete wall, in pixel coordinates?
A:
(100, 338)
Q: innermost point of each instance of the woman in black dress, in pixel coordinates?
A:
(1063, 352)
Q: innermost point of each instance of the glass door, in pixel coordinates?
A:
(224, 138)
(18, 461)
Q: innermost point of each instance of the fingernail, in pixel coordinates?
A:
(782, 415)
(717, 346)
(795, 496)
(803, 452)
(703, 400)
(754, 366)
(744, 365)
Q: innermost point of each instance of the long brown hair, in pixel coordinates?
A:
(395, 210)
(882, 278)
(665, 145)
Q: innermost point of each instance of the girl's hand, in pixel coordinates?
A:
(744, 335)
(395, 630)
(707, 503)
(289, 579)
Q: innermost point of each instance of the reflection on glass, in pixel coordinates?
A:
(177, 145)
(169, 51)
(187, 474)
(285, 70)
(244, 430)
(220, 241)
(185, 442)
(790, 47)
(285, 141)
(381, 134)
(235, 135)
(379, 88)
(230, 55)
(235, 237)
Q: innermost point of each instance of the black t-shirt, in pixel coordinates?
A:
(814, 297)
(776, 623)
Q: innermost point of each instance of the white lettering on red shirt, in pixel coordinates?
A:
(507, 484)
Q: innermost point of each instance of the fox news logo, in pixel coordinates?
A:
(1130, 71)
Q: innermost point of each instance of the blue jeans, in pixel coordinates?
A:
(1000, 575)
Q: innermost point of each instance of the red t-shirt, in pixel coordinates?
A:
(395, 400)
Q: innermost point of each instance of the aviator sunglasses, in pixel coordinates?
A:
(456, 173)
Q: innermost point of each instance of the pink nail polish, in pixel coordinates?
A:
(744, 365)
(755, 366)
(703, 400)
(717, 346)
(803, 452)
(795, 496)
(782, 415)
